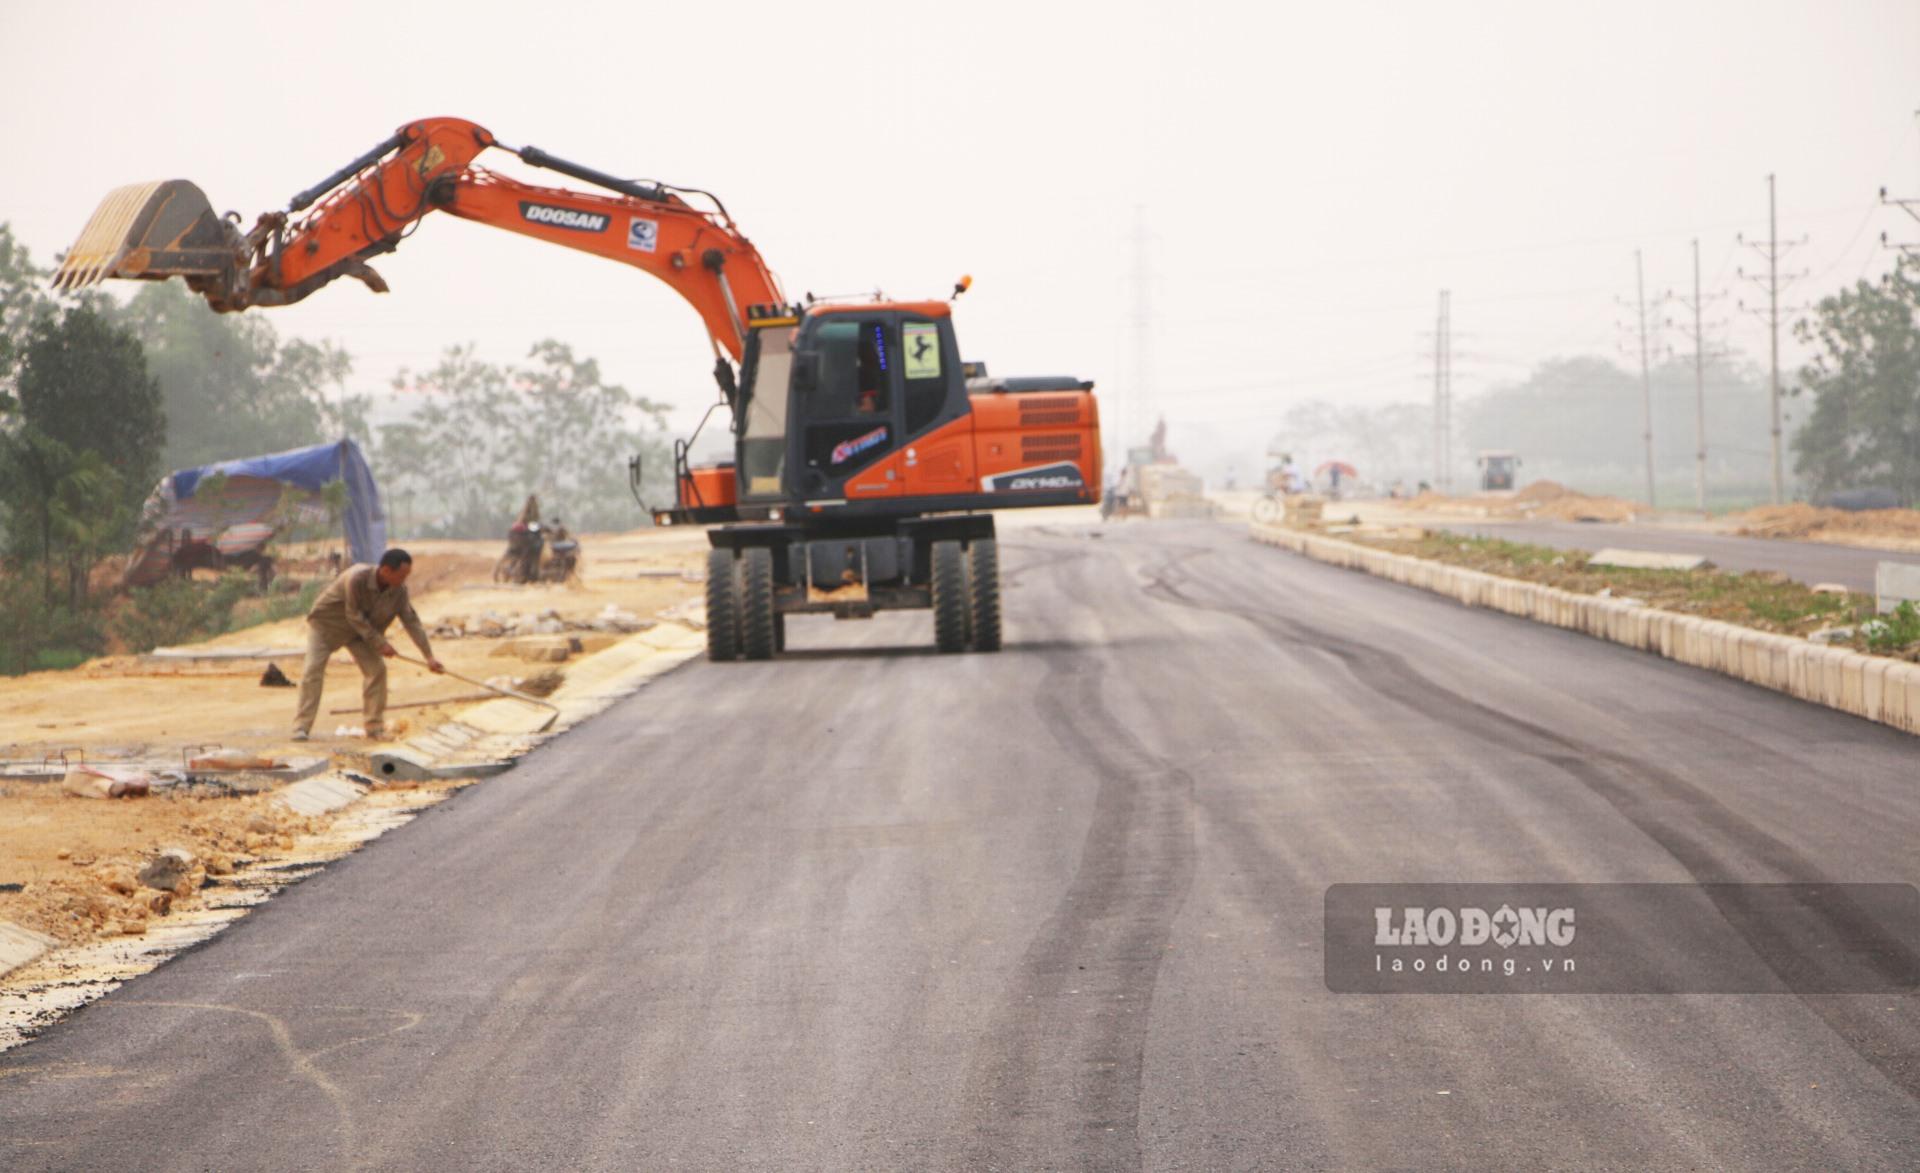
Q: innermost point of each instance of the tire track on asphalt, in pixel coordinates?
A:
(1637, 790)
(1057, 1073)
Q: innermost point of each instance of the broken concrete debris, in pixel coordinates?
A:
(168, 869)
(232, 759)
(1645, 560)
(84, 781)
(542, 684)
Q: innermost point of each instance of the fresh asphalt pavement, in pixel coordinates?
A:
(1807, 562)
(867, 907)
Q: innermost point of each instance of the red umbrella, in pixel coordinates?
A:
(1339, 466)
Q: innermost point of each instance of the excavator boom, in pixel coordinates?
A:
(331, 230)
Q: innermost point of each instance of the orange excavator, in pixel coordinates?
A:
(868, 458)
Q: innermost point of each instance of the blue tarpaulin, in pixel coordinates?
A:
(311, 469)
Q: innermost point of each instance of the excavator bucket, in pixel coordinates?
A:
(152, 231)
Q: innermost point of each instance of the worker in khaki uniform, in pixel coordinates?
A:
(354, 613)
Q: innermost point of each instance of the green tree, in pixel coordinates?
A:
(64, 508)
(23, 301)
(452, 450)
(1864, 430)
(82, 450)
(578, 433)
(486, 435)
(84, 384)
(232, 388)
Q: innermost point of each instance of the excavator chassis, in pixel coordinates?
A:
(759, 574)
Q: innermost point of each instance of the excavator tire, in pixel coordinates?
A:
(757, 638)
(723, 606)
(983, 593)
(949, 597)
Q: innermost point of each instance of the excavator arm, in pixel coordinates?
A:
(331, 230)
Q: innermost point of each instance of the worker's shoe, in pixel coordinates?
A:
(376, 733)
(300, 734)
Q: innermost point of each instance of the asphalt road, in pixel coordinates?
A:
(872, 908)
(1807, 562)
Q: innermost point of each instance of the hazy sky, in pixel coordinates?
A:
(1304, 179)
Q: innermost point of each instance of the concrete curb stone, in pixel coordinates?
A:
(1874, 687)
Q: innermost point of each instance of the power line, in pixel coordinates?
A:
(1910, 206)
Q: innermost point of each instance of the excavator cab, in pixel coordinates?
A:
(829, 399)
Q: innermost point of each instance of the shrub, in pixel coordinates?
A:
(36, 635)
(1893, 632)
(179, 610)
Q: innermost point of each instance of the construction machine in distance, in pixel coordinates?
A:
(867, 464)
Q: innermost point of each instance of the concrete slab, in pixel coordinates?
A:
(1645, 560)
(188, 654)
(1895, 583)
(317, 796)
(19, 946)
(405, 765)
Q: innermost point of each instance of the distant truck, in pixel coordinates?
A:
(1498, 471)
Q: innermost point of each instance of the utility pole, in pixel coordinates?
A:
(1443, 397)
(1773, 250)
(1697, 305)
(1910, 206)
(1646, 374)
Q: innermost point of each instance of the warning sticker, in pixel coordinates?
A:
(642, 234)
(923, 350)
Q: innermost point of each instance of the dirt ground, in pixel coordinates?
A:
(67, 863)
(1887, 529)
(1540, 501)
(1890, 529)
(76, 861)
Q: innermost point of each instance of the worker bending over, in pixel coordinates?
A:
(354, 613)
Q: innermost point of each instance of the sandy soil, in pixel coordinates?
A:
(73, 859)
(1539, 501)
(124, 706)
(76, 860)
(1887, 529)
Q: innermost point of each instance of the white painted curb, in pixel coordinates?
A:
(1875, 687)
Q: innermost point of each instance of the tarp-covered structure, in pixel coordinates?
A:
(180, 526)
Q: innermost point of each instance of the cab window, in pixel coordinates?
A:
(855, 360)
(763, 441)
(850, 405)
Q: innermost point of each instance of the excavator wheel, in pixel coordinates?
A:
(949, 597)
(983, 593)
(723, 606)
(757, 619)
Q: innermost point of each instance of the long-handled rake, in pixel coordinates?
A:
(506, 692)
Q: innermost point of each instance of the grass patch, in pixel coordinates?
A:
(59, 659)
(1765, 600)
(1895, 633)
(275, 607)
